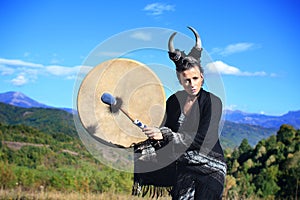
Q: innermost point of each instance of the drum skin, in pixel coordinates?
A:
(139, 88)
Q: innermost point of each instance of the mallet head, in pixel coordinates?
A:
(114, 103)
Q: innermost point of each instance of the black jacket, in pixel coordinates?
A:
(200, 130)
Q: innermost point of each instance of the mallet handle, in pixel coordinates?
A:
(127, 114)
(135, 121)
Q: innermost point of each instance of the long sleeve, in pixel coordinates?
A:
(207, 135)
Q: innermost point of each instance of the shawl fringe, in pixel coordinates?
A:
(150, 190)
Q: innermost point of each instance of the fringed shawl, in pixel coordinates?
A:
(193, 145)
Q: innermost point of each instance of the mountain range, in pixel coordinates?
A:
(292, 117)
(237, 125)
(21, 100)
(267, 121)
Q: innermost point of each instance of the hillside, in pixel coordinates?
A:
(238, 125)
(50, 120)
(39, 148)
(233, 134)
(266, 121)
(34, 161)
(31, 160)
(53, 121)
(47, 120)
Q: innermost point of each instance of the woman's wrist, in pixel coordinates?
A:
(167, 133)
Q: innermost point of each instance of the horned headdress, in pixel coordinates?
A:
(178, 56)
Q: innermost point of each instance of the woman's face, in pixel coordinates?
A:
(191, 80)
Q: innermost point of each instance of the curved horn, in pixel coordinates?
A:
(198, 40)
(170, 43)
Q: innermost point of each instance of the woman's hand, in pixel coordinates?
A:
(153, 132)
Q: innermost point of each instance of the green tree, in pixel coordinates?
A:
(245, 151)
(245, 185)
(271, 143)
(290, 178)
(266, 182)
(244, 146)
(286, 134)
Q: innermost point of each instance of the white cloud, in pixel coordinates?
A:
(19, 80)
(230, 107)
(18, 63)
(141, 36)
(6, 70)
(26, 72)
(158, 8)
(61, 70)
(233, 48)
(68, 72)
(84, 69)
(223, 68)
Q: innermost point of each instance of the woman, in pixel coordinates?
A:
(191, 128)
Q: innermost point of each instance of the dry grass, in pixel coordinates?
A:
(18, 194)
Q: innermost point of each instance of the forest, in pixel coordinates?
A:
(270, 170)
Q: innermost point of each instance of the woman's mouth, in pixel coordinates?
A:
(193, 91)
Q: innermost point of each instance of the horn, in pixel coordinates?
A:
(198, 40)
(170, 44)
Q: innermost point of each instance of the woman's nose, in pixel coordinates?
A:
(192, 83)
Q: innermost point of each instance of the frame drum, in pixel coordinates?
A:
(142, 94)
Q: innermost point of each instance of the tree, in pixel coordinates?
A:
(271, 143)
(245, 151)
(245, 185)
(290, 177)
(286, 134)
(244, 146)
(230, 182)
(266, 182)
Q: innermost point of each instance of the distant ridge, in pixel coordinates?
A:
(292, 117)
(21, 100)
(52, 121)
(267, 121)
(238, 125)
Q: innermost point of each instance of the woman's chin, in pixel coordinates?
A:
(194, 93)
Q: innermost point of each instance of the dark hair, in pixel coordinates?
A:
(188, 63)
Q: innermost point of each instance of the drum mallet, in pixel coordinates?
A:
(115, 104)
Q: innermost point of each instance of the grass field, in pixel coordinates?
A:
(56, 195)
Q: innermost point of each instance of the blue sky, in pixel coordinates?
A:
(254, 45)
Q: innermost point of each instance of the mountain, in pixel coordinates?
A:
(50, 120)
(267, 121)
(293, 117)
(238, 125)
(21, 100)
